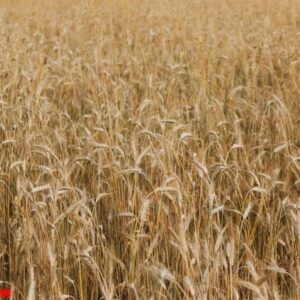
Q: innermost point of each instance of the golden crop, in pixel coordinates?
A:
(150, 149)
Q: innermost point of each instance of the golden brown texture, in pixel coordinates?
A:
(150, 149)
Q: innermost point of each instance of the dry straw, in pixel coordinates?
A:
(150, 149)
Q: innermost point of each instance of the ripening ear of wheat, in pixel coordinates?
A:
(150, 150)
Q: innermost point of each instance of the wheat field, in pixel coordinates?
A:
(150, 149)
